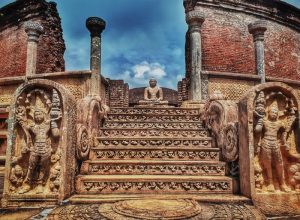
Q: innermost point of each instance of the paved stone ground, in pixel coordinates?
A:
(141, 209)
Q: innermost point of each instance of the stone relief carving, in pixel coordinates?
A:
(221, 118)
(91, 113)
(276, 157)
(38, 118)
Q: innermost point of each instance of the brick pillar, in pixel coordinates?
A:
(258, 29)
(34, 31)
(96, 26)
(195, 20)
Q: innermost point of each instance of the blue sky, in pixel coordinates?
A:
(143, 38)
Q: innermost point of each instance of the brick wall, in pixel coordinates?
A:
(227, 45)
(13, 39)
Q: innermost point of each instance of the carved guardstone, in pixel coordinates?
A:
(269, 148)
(40, 165)
(153, 95)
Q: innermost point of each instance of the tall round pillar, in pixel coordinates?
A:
(96, 26)
(258, 29)
(34, 31)
(195, 20)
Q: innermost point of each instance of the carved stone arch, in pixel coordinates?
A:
(41, 145)
(269, 147)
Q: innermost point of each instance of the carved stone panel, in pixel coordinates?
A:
(269, 147)
(40, 156)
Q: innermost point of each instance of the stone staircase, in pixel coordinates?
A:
(153, 151)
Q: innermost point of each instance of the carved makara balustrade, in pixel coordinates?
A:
(269, 147)
(91, 113)
(40, 145)
(221, 119)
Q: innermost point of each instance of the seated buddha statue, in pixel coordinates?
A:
(153, 95)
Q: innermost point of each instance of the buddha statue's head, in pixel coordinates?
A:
(152, 82)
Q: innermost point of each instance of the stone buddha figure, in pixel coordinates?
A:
(153, 95)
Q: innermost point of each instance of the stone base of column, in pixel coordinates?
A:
(193, 104)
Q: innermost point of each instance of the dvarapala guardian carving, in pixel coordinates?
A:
(35, 163)
(275, 164)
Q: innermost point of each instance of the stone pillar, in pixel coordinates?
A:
(194, 20)
(95, 25)
(33, 30)
(257, 29)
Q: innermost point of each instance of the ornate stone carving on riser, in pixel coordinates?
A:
(269, 147)
(40, 145)
(152, 184)
(150, 142)
(146, 133)
(150, 168)
(154, 118)
(154, 111)
(160, 125)
(157, 153)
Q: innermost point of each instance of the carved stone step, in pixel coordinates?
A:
(119, 184)
(138, 167)
(155, 153)
(155, 111)
(204, 142)
(147, 125)
(145, 133)
(153, 118)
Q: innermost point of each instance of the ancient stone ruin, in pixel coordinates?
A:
(225, 145)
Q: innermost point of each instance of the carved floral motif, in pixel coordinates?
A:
(194, 169)
(146, 125)
(154, 111)
(151, 118)
(154, 133)
(205, 142)
(157, 154)
(127, 186)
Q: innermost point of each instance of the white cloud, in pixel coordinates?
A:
(145, 70)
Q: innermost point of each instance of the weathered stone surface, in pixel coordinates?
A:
(13, 40)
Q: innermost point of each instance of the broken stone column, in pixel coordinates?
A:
(258, 29)
(34, 31)
(195, 20)
(95, 25)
